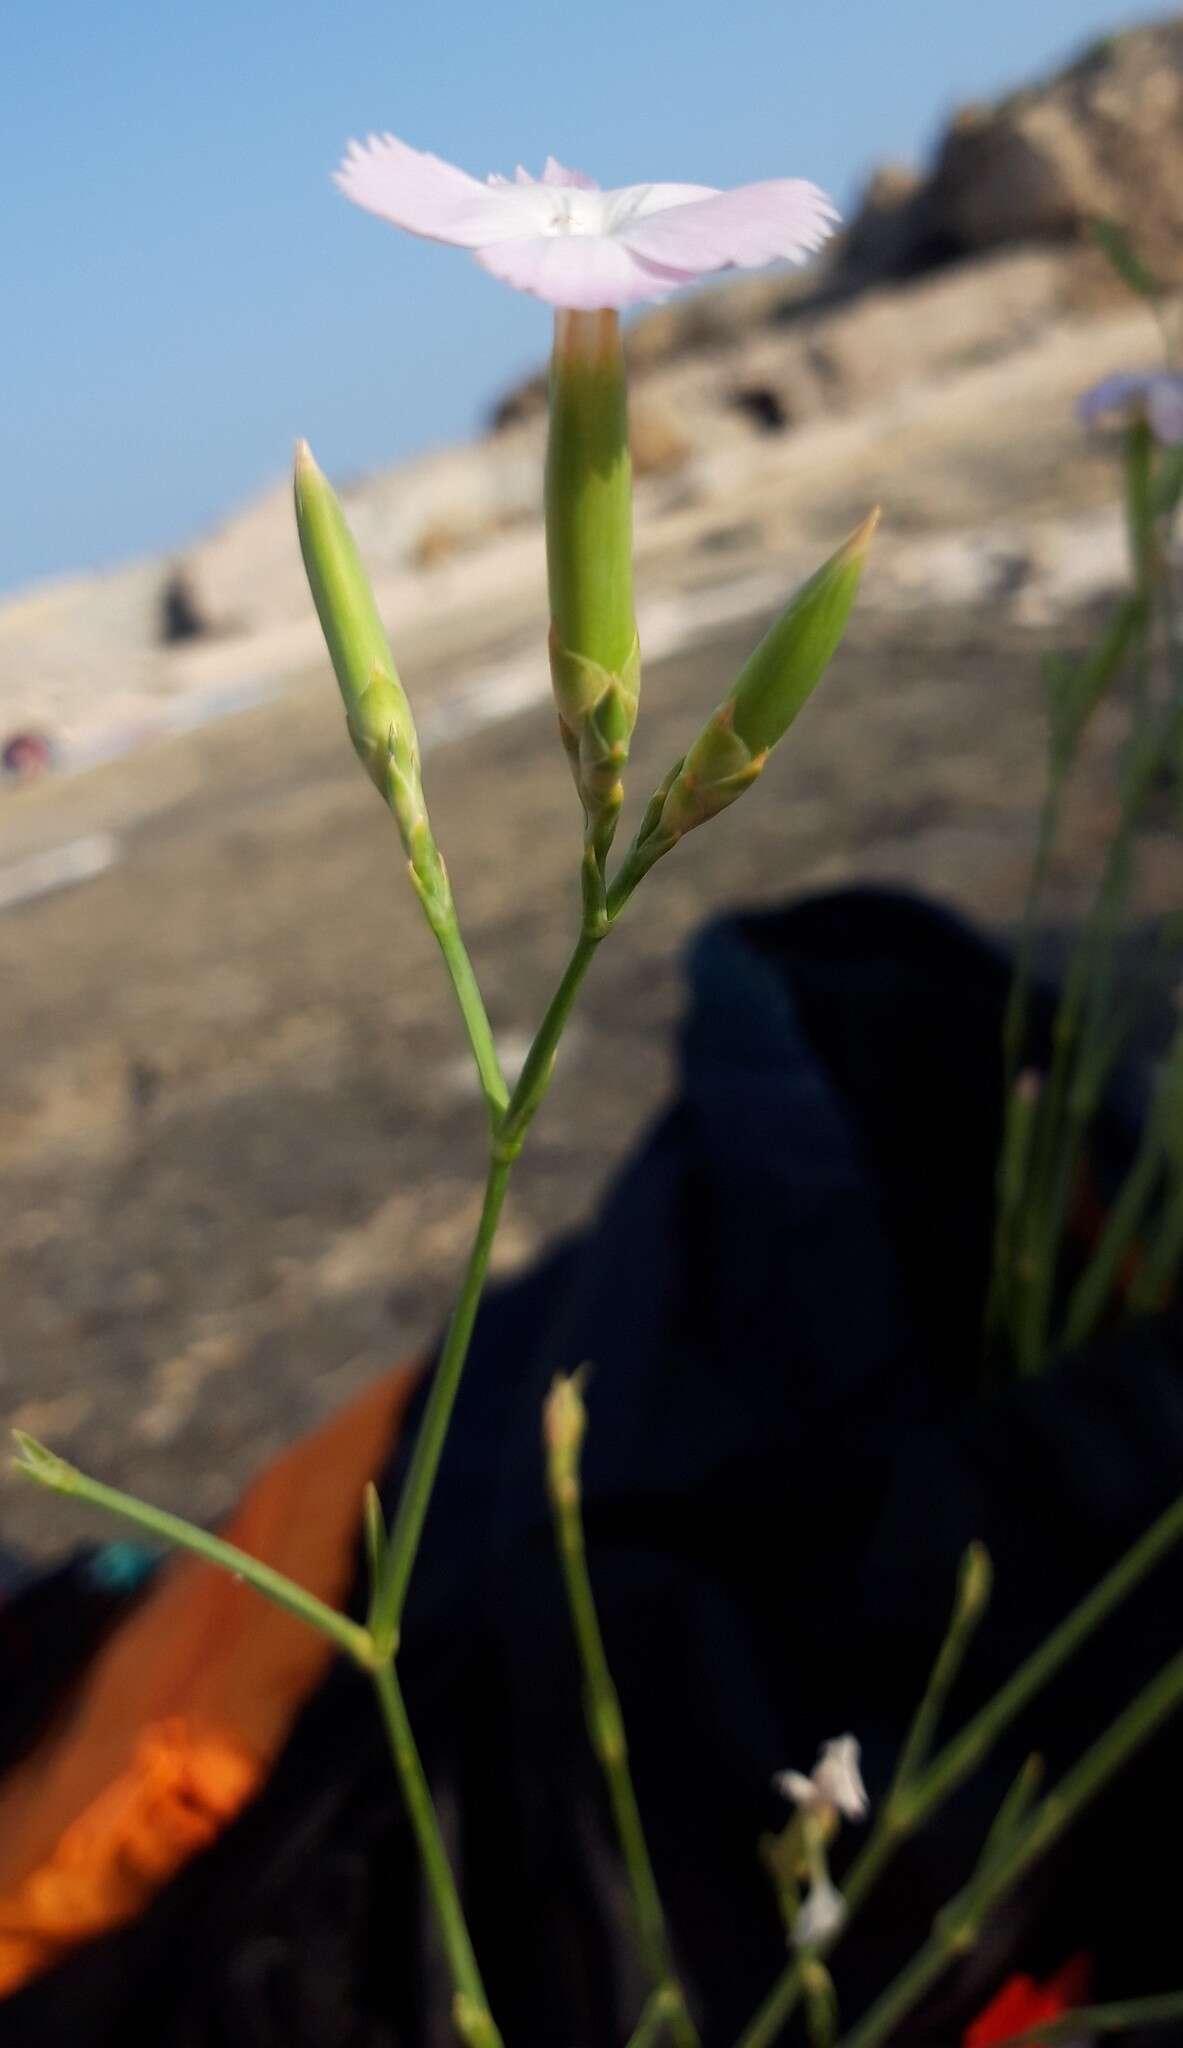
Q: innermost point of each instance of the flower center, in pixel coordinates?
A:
(574, 212)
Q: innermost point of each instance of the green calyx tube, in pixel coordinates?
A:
(594, 652)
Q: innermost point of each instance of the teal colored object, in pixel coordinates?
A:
(121, 1567)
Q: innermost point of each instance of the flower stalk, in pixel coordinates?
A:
(382, 729)
(564, 1428)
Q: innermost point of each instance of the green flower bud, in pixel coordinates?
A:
(377, 713)
(595, 657)
(564, 1424)
(773, 686)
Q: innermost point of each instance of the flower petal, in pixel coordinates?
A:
(635, 202)
(838, 1778)
(422, 193)
(821, 1913)
(1113, 392)
(583, 272)
(555, 173)
(755, 224)
(795, 1786)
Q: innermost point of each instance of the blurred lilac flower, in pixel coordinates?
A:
(566, 241)
(1153, 395)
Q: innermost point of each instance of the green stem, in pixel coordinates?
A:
(1076, 1072)
(509, 1132)
(972, 1597)
(958, 1924)
(534, 1079)
(36, 1462)
(1093, 1289)
(1151, 1290)
(472, 1010)
(470, 2007)
(977, 1739)
(415, 1498)
(903, 1814)
(1101, 2019)
(606, 1729)
(655, 2020)
(1014, 1161)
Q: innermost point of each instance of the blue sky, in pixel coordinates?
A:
(183, 292)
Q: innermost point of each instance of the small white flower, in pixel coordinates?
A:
(822, 1912)
(836, 1781)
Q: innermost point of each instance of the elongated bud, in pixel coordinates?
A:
(564, 1425)
(773, 686)
(594, 653)
(377, 713)
(975, 1582)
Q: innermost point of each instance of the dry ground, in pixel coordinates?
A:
(241, 1150)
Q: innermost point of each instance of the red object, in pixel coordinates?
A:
(1022, 2003)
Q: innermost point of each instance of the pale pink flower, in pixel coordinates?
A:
(566, 241)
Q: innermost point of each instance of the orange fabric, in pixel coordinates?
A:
(179, 1716)
(177, 1794)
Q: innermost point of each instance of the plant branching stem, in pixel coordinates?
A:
(958, 1924)
(902, 1814)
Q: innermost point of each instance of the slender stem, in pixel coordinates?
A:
(1095, 1285)
(654, 2021)
(1014, 1810)
(36, 1462)
(1089, 681)
(402, 1549)
(470, 2007)
(606, 1729)
(1101, 2019)
(535, 1075)
(966, 1750)
(1074, 1082)
(1153, 1285)
(1014, 1160)
(958, 1924)
(901, 1815)
(473, 1012)
(1014, 1028)
(972, 1597)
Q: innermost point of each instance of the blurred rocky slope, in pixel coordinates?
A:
(973, 285)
